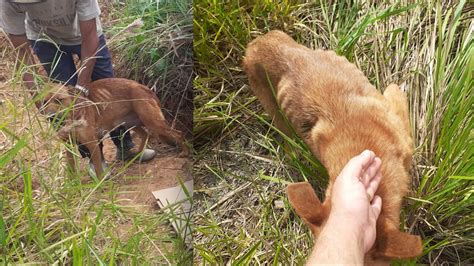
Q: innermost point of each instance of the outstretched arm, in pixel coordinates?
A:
(350, 230)
(13, 23)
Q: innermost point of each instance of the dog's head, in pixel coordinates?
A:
(55, 101)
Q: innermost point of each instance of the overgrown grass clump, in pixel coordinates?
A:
(157, 51)
(241, 167)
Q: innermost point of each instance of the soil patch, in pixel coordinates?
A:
(137, 182)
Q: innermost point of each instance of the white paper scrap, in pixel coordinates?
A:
(176, 202)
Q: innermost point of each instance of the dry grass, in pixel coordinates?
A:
(158, 53)
(240, 167)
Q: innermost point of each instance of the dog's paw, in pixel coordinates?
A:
(398, 245)
(307, 205)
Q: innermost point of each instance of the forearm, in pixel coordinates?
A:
(89, 46)
(88, 49)
(338, 243)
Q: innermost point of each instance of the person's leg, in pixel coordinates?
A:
(58, 62)
(103, 63)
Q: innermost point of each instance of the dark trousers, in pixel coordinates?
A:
(58, 61)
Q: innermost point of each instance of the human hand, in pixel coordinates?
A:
(353, 199)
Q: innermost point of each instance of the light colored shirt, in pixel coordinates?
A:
(54, 20)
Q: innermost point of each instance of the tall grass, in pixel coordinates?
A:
(159, 53)
(241, 167)
(52, 215)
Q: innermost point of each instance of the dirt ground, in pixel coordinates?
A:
(138, 181)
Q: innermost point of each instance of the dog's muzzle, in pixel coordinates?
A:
(57, 119)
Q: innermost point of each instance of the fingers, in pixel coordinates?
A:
(356, 165)
(371, 171)
(376, 206)
(365, 158)
(371, 188)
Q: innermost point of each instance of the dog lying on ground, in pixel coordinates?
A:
(111, 102)
(338, 113)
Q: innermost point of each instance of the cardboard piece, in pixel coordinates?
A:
(175, 202)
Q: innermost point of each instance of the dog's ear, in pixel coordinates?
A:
(70, 89)
(307, 205)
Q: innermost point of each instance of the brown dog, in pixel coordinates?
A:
(338, 113)
(112, 102)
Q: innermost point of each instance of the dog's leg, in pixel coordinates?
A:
(71, 163)
(152, 118)
(307, 205)
(267, 94)
(96, 155)
(143, 135)
(399, 105)
(70, 160)
(160, 129)
(391, 243)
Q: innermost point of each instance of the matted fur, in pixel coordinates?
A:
(338, 113)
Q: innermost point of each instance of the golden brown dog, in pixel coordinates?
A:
(338, 113)
(112, 102)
